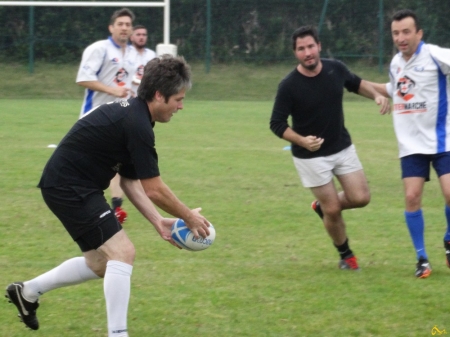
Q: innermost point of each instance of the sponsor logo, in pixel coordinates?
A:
(203, 241)
(419, 69)
(404, 87)
(140, 72)
(105, 214)
(116, 167)
(115, 60)
(19, 297)
(124, 103)
(119, 331)
(407, 108)
(121, 77)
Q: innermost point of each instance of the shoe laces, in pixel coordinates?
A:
(351, 262)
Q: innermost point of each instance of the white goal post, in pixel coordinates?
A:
(163, 48)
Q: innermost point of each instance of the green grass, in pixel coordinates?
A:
(239, 82)
(272, 270)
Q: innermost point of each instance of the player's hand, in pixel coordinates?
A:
(121, 92)
(197, 223)
(312, 143)
(165, 230)
(384, 103)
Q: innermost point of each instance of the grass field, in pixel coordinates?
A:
(272, 271)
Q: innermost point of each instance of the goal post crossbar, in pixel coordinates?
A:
(83, 3)
(165, 4)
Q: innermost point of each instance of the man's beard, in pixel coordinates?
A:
(311, 66)
(139, 46)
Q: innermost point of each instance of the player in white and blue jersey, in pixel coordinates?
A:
(143, 55)
(106, 71)
(420, 92)
(107, 66)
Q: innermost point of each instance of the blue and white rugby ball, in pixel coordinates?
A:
(184, 238)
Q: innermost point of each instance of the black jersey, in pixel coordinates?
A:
(315, 105)
(113, 138)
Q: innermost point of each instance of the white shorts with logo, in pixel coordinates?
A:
(320, 171)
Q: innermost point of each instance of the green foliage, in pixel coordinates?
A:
(241, 30)
(272, 270)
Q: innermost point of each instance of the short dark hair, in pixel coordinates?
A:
(138, 27)
(119, 13)
(406, 13)
(167, 74)
(302, 32)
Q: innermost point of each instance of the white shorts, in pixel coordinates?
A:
(320, 171)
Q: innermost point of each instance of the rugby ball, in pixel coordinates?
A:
(184, 238)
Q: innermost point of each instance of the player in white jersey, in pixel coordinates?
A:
(421, 95)
(107, 66)
(106, 71)
(143, 55)
(111, 66)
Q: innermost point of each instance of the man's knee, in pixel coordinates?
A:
(119, 248)
(97, 263)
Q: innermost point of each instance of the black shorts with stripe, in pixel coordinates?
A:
(85, 214)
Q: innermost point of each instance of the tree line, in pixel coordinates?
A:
(241, 30)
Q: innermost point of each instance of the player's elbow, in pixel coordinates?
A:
(154, 195)
(278, 128)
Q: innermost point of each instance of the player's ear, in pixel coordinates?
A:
(159, 97)
(319, 46)
(110, 28)
(420, 34)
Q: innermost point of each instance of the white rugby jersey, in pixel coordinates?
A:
(104, 61)
(420, 92)
(141, 61)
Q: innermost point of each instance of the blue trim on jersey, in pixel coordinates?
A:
(89, 99)
(442, 110)
(112, 41)
(419, 47)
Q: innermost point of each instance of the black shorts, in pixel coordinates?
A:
(85, 214)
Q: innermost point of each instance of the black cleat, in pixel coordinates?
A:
(423, 268)
(27, 310)
(447, 252)
(316, 208)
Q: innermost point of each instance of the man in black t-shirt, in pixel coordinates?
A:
(113, 138)
(321, 145)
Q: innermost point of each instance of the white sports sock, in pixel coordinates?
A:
(68, 273)
(117, 284)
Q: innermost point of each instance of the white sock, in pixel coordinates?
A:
(117, 284)
(68, 273)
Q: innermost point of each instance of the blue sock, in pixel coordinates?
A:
(447, 216)
(416, 225)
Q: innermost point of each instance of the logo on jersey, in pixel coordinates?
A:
(140, 72)
(404, 87)
(124, 103)
(121, 77)
(115, 60)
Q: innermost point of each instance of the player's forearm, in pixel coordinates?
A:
(367, 90)
(164, 198)
(380, 88)
(293, 137)
(372, 89)
(135, 193)
(96, 86)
